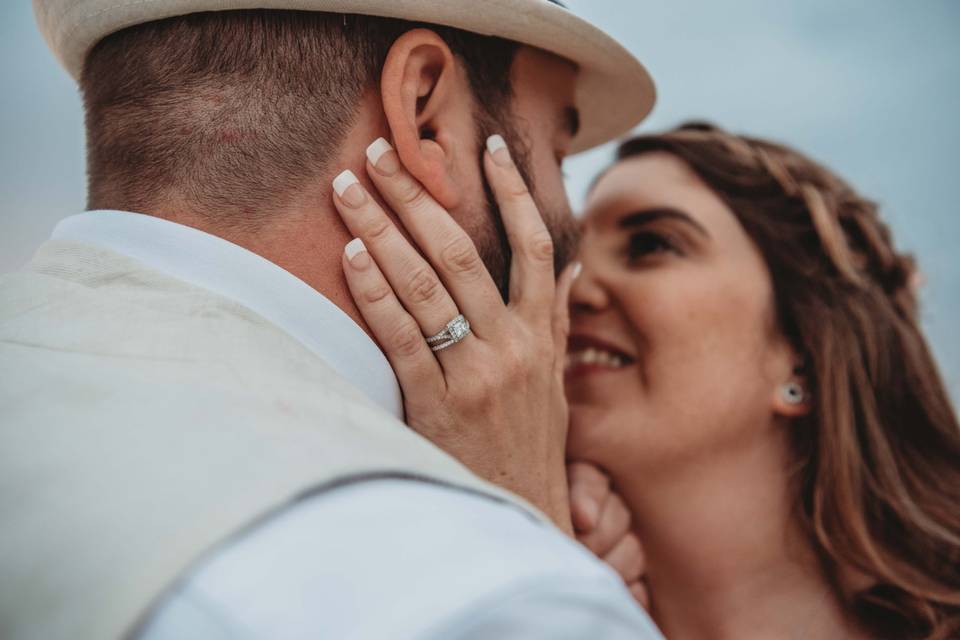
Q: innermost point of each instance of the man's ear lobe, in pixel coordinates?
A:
(422, 96)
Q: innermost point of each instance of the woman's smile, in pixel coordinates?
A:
(590, 355)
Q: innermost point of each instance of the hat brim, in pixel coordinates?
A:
(614, 91)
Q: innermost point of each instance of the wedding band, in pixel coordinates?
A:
(455, 331)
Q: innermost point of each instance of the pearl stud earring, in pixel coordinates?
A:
(793, 393)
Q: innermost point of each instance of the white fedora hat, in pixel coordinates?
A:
(614, 91)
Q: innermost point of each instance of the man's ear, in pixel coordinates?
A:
(428, 109)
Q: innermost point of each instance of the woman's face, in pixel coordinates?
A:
(674, 353)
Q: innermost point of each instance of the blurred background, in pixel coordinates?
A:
(869, 87)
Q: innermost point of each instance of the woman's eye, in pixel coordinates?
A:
(647, 243)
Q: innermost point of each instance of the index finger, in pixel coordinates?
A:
(532, 273)
(450, 250)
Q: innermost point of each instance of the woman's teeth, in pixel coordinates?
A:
(597, 357)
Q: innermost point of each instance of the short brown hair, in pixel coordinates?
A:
(231, 112)
(878, 460)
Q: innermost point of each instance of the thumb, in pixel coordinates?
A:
(589, 490)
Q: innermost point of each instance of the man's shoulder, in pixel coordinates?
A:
(66, 275)
(80, 298)
(104, 336)
(427, 559)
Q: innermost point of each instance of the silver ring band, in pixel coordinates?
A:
(455, 331)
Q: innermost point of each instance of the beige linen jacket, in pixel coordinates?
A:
(143, 421)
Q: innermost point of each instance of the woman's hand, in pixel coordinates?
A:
(495, 399)
(603, 524)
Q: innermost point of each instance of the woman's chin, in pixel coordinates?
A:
(612, 437)
(588, 416)
(590, 432)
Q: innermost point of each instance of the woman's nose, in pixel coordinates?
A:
(587, 294)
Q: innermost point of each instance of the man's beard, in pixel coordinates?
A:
(491, 240)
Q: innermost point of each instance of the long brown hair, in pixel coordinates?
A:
(878, 458)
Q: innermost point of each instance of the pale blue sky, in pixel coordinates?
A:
(869, 87)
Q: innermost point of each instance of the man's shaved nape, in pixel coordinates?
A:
(230, 113)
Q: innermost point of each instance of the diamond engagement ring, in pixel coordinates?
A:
(456, 330)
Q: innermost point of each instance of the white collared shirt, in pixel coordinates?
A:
(386, 559)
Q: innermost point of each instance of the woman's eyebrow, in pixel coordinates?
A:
(646, 216)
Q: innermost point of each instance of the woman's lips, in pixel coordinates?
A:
(588, 355)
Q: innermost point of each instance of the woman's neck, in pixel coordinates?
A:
(726, 557)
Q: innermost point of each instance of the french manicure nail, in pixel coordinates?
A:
(348, 188)
(357, 254)
(380, 157)
(497, 147)
(354, 248)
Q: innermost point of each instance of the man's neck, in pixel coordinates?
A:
(305, 236)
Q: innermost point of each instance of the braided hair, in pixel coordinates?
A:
(877, 473)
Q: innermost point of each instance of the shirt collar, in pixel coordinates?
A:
(229, 270)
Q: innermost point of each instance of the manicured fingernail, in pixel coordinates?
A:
(577, 270)
(356, 253)
(383, 158)
(497, 147)
(348, 188)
